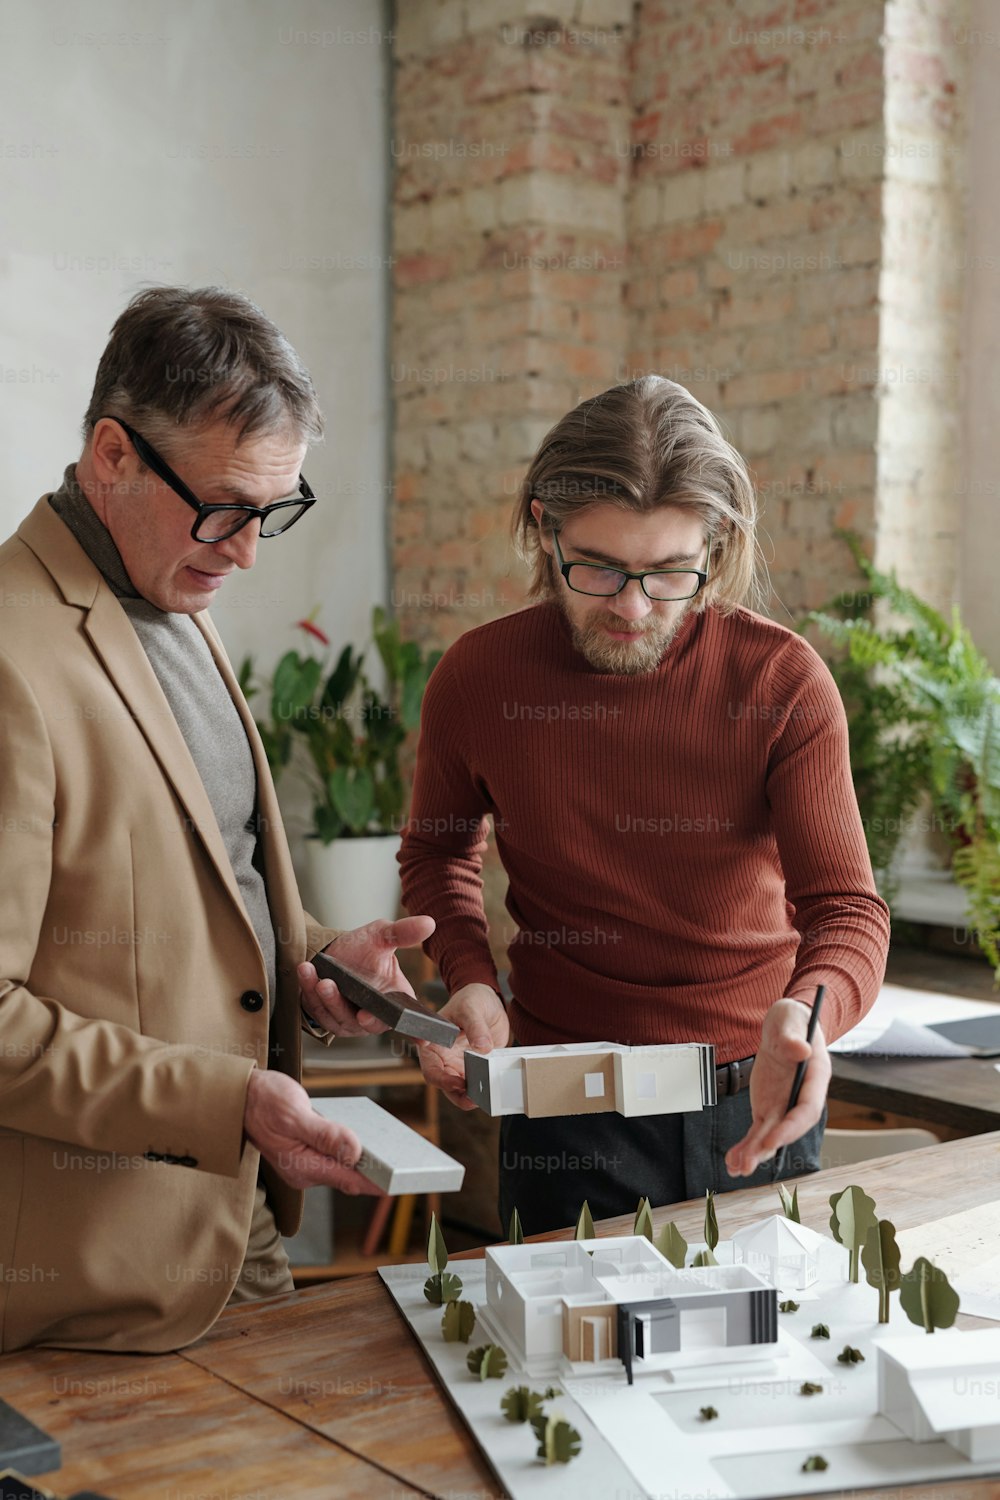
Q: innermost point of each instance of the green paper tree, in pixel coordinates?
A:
(488, 1362)
(880, 1258)
(927, 1297)
(644, 1220)
(442, 1287)
(789, 1203)
(853, 1215)
(515, 1234)
(457, 1322)
(672, 1244)
(704, 1258)
(711, 1223)
(520, 1404)
(558, 1442)
(585, 1224)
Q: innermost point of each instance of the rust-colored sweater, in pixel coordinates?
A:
(683, 847)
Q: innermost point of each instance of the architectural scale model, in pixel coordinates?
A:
(591, 1367)
(592, 1078)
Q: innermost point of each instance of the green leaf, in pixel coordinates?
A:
(341, 681)
(520, 1404)
(643, 1223)
(711, 1222)
(558, 1442)
(488, 1362)
(927, 1297)
(704, 1258)
(672, 1245)
(437, 1250)
(353, 796)
(789, 1203)
(441, 1288)
(515, 1234)
(585, 1224)
(457, 1322)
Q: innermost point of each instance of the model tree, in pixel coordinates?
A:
(853, 1215)
(442, 1287)
(880, 1258)
(927, 1297)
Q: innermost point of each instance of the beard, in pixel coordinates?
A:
(643, 653)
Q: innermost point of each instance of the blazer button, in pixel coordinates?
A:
(252, 1000)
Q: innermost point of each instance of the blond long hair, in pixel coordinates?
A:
(640, 446)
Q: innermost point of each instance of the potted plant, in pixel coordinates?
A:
(346, 737)
(924, 713)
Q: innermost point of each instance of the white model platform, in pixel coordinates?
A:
(650, 1440)
(393, 1156)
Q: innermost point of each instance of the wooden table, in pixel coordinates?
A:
(959, 1095)
(324, 1393)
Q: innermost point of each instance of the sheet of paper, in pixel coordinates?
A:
(964, 1246)
(896, 1024)
(899, 1039)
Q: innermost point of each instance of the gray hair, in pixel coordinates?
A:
(180, 358)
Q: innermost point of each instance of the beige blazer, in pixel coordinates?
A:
(125, 951)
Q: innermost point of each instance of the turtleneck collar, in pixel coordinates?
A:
(72, 506)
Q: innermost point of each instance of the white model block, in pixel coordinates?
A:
(393, 1156)
(591, 1078)
(657, 1080)
(945, 1388)
(786, 1253)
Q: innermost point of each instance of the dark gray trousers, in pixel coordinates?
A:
(548, 1167)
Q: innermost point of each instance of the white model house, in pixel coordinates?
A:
(944, 1387)
(579, 1303)
(592, 1078)
(785, 1253)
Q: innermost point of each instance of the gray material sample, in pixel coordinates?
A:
(24, 1446)
(393, 1156)
(400, 1012)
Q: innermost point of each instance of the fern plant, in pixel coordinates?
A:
(924, 712)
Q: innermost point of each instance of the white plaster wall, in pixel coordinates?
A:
(231, 141)
(980, 270)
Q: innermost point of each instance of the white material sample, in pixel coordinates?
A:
(895, 1025)
(393, 1156)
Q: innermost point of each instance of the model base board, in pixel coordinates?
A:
(649, 1439)
(393, 1156)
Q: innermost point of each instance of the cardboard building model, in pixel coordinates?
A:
(592, 1078)
(575, 1305)
(944, 1389)
(785, 1253)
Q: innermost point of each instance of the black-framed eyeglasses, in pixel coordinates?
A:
(658, 584)
(214, 523)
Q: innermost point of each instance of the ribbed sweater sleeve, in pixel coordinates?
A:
(843, 924)
(441, 857)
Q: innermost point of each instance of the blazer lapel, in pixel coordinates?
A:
(118, 647)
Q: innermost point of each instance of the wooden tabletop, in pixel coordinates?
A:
(325, 1393)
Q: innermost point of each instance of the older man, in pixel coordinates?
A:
(669, 778)
(154, 1137)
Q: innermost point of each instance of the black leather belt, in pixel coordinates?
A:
(733, 1077)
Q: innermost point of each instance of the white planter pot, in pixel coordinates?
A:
(352, 881)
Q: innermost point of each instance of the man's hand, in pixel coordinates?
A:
(783, 1045)
(481, 1014)
(303, 1147)
(371, 952)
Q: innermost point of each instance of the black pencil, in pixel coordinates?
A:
(800, 1071)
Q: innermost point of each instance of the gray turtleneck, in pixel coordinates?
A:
(199, 700)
